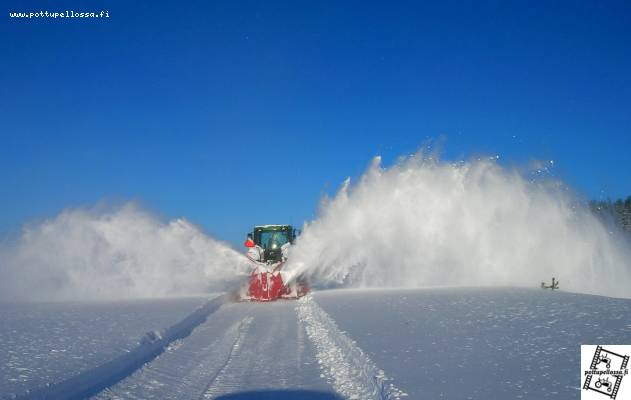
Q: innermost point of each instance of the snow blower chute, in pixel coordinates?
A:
(268, 246)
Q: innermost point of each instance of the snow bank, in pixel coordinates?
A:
(423, 222)
(111, 254)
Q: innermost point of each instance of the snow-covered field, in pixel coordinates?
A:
(42, 343)
(454, 343)
(479, 343)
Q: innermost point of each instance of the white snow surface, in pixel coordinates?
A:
(344, 364)
(453, 343)
(479, 343)
(259, 350)
(45, 343)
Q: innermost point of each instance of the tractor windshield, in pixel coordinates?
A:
(273, 239)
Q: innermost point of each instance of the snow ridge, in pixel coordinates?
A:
(343, 363)
(151, 345)
(183, 373)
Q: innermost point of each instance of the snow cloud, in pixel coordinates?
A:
(119, 253)
(419, 223)
(424, 222)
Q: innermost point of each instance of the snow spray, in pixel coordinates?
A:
(121, 253)
(424, 222)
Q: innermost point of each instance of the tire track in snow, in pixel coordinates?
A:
(273, 359)
(216, 381)
(342, 362)
(184, 371)
(246, 369)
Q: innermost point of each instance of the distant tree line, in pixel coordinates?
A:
(619, 211)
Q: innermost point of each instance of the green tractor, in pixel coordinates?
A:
(271, 239)
(268, 247)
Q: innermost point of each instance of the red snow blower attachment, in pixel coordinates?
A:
(268, 247)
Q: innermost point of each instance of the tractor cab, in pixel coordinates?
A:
(273, 239)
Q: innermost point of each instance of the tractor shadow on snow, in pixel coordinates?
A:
(281, 394)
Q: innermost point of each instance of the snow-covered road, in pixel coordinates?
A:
(260, 348)
(475, 343)
(288, 349)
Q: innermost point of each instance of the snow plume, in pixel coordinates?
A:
(423, 222)
(120, 253)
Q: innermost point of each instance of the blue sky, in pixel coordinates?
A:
(233, 113)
